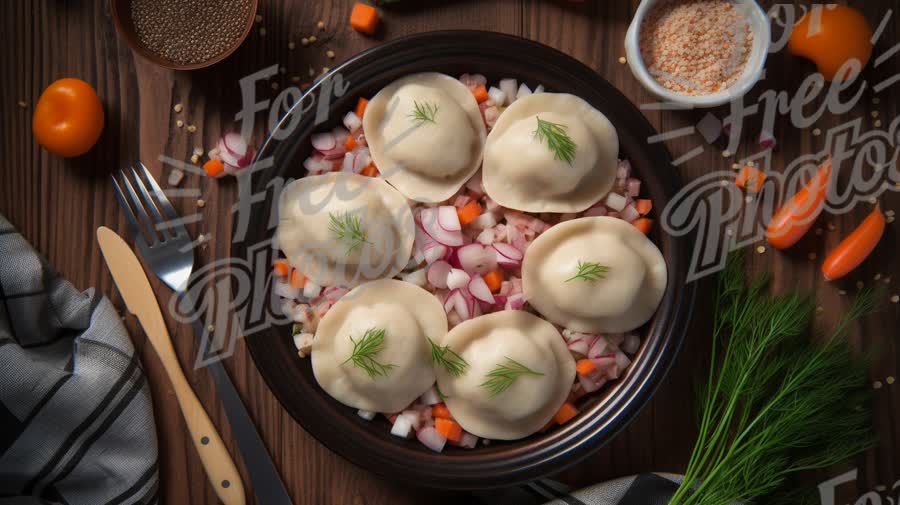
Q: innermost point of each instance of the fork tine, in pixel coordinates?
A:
(139, 209)
(130, 218)
(160, 194)
(151, 205)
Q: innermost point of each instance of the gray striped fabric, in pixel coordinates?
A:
(76, 422)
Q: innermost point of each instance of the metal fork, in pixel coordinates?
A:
(167, 248)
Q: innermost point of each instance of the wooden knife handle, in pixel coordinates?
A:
(220, 468)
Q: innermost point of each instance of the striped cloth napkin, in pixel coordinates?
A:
(644, 489)
(76, 422)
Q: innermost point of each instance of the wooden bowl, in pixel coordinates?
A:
(121, 15)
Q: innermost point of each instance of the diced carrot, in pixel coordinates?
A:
(448, 428)
(751, 179)
(856, 247)
(361, 107)
(480, 92)
(298, 280)
(370, 171)
(468, 212)
(281, 268)
(565, 413)
(364, 18)
(350, 144)
(643, 206)
(643, 224)
(494, 280)
(337, 165)
(440, 411)
(585, 366)
(213, 167)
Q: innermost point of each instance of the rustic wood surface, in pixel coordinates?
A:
(58, 204)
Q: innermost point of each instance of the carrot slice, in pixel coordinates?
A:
(213, 167)
(585, 366)
(643, 206)
(448, 428)
(440, 411)
(480, 92)
(643, 224)
(565, 413)
(856, 247)
(797, 216)
(350, 144)
(281, 268)
(494, 280)
(298, 280)
(364, 18)
(370, 171)
(468, 212)
(361, 107)
(751, 179)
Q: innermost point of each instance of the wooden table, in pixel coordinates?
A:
(58, 204)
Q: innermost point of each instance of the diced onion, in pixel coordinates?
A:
(430, 397)
(484, 221)
(284, 290)
(633, 186)
(365, 414)
(497, 96)
(352, 121)
(429, 220)
(539, 89)
(437, 274)
(311, 289)
(457, 279)
(523, 91)
(598, 347)
(447, 218)
(413, 416)
(416, 277)
(403, 428)
(579, 346)
(509, 88)
(468, 440)
(615, 201)
(475, 258)
(629, 213)
(480, 290)
(632, 343)
(323, 142)
(431, 439)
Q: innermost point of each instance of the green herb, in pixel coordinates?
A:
(558, 140)
(503, 376)
(455, 364)
(589, 271)
(364, 351)
(777, 402)
(440, 394)
(348, 228)
(424, 112)
(296, 329)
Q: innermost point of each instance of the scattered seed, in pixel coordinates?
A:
(887, 280)
(876, 385)
(877, 276)
(895, 299)
(295, 78)
(325, 70)
(723, 182)
(729, 231)
(312, 71)
(23, 104)
(860, 284)
(748, 199)
(304, 41)
(889, 219)
(191, 128)
(622, 60)
(178, 107)
(890, 379)
(889, 212)
(201, 203)
(842, 292)
(761, 249)
(735, 166)
(876, 100)
(820, 309)
(179, 123)
(291, 46)
(321, 25)
(312, 39)
(198, 151)
(210, 328)
(275, 85)
(329, 53)
(726, 153)
(874, 114)
(258, 18)
(811, 256)
(195, 159)
(877, 123)
(831, 227)
(816, 132)
(873, 200)
(262, 32)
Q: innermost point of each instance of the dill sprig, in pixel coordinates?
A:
(589, 271)
(455, 364)
(348, 228)
(424, 112)
(557, 138)
(776, 402)
(503, 376)
(364, 351)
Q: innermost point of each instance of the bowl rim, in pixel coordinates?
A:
(549, 453)
(761, 44)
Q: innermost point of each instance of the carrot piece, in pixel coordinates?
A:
(856, 247)
(494, 280)
(370, 171)
(364, 18)
(440, 411)
(643, 224)
(480, 92)
(797, 216)
(643, 206)
(281, 268)
(298, 280)
(213, 167)
(565, 413)
(350, 144)
(751, 179)
(361, 107)
(468, 212)
(585, 366)
(448, 428)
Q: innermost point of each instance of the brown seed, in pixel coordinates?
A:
(23, 104)
(321, 25)
(191, 128)
(178, 107)
(179, 123)
(201, 203)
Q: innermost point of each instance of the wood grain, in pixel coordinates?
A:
(58, 204)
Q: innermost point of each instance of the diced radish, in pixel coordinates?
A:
(606, 364)
(598, 347)
(475, 258)
(365, 414)
(460, 305)
(615, 201)
(507, 255)
(480, 290)
(413, 416)
(496, 96)
(623, 169)
(335, 293)
(473, 80)
(491, 115)
(429, 220)
(431, 439)
(484, 221)
(235, 144)
(285, 290)
(622, 360)
(352, 121)
(457, 279)
(523, 91)
(430, 397)
(633, 186)
(323, 141)
(311, 289)
(448, 219)
(402, 427)
(632, 343)
(579, 346)
(509, 88)
(437, 274)
(434, 253)
(468, 440)
(340, 135)
(589, 385)
(629, 213)
(416, 277)
(515, 302)
(486, 237)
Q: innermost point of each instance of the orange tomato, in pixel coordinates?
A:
(830, 36)
(68, 118)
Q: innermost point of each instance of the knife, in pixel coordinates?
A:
(140, 300)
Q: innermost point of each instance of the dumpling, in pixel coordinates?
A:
(426, 135)
(507, 340)
(391, 318)
(344, 229)
(594, 274)
(550, 152)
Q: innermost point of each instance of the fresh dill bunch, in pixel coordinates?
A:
(557, 138)
(589, 271)
(777, 402)
(348, 228)
(424, 112)
(455, 364)
(505, 374)
(365, 350)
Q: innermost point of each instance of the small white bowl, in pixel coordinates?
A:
(759, 24)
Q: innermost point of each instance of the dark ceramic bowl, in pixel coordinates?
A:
(603, 415)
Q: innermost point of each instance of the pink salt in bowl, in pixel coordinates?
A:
(758, 23)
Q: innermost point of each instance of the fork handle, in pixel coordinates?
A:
(220, 468)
